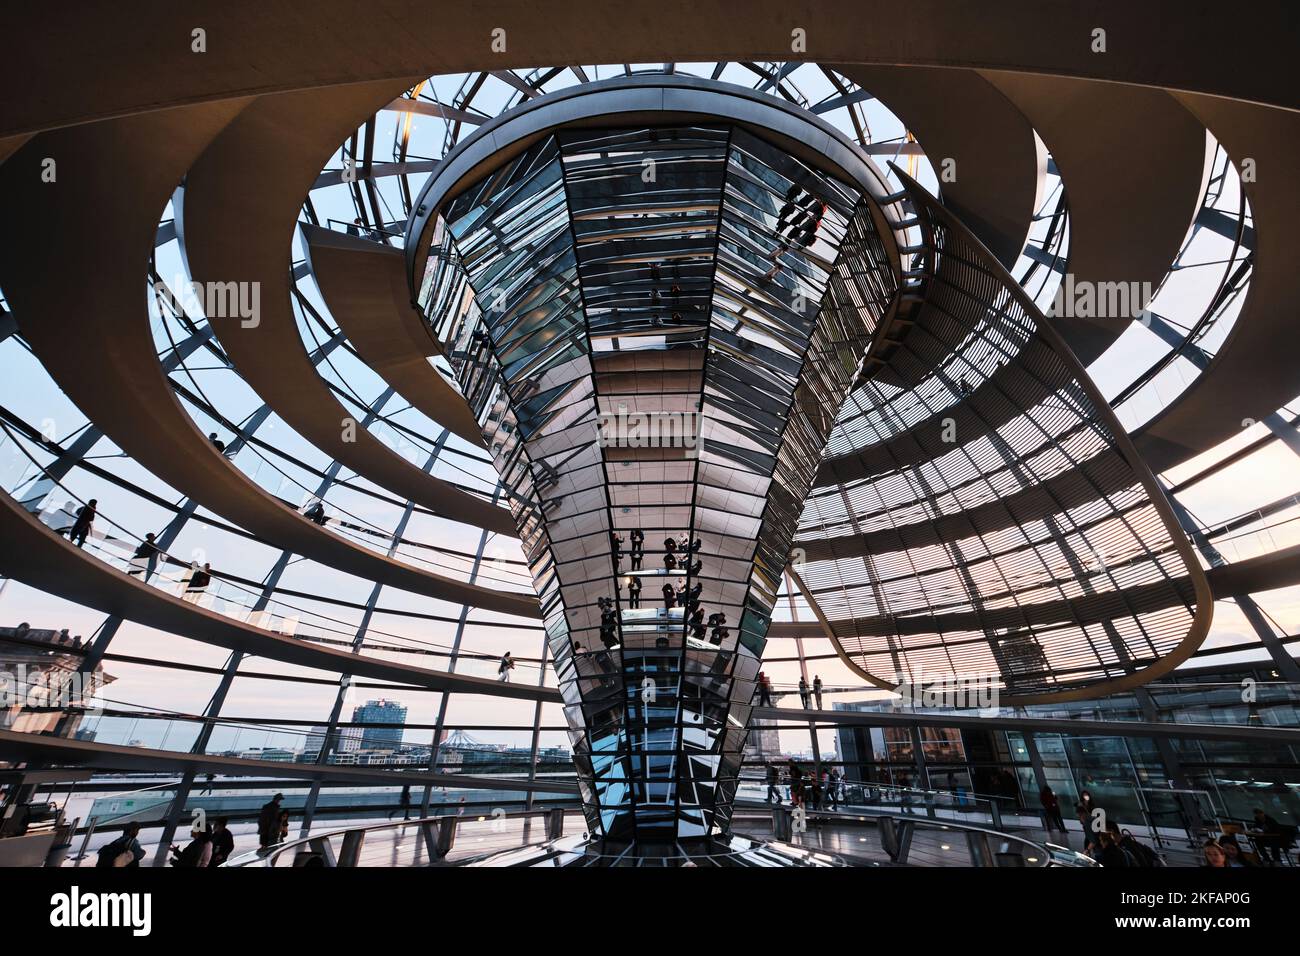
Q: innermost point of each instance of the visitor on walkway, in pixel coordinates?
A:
(817, 691)
(197, 586)
(1085, 811)
(124, 851)
(1143, 854)
(1271, 837)
(505, 667)
(670, 596)
(638, 548)
(142, 561)
(803, 692)
(404, 804)
(1214, 856)
(316, 512)
(197, 853)
(1051, 810)
(796, 784)
(773, 782)
(764, 690)
(268, 822)
(85, 518)
(634, 592)
(223, 841)
(1237, 857)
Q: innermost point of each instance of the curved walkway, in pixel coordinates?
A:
(33, 554)
(88, 753)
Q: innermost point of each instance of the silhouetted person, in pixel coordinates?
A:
(85, 517)
(356, 227)
(404, 803)
(198, 583)
(817, 691)
(504, 668)
(796, 784)
(223, 842)
(316, 512)
(197, 853)
(764, 690)
(638, 548)
(1271, 836)
(803, 692)
(217, 443)
(1144, 855)
(1051, 809)
(142, 561)
(1109, 853)
(268, 822)
(616, 547)
(634, 593)
(124, 851)
(773, 783)
(670, 596)
(670, 561)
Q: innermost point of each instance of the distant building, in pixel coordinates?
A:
(380, 712)
(763, 741)
(347, 740)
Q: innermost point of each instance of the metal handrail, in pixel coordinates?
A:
(898, 833)
(353, 838)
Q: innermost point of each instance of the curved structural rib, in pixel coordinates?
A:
(1255, 367)
(1087, 601)
(364, 285)
(249, 184)
(94, 337)
(1134, 182)
(30, 552)
(959, 115)
(336, 46)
